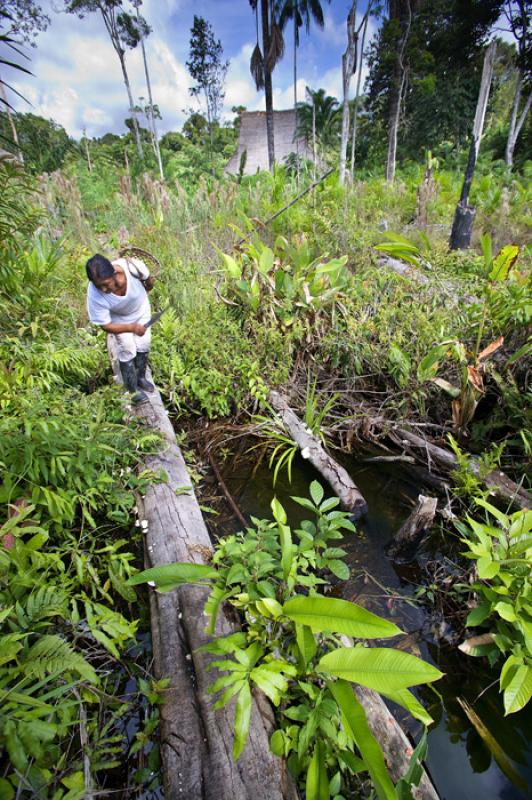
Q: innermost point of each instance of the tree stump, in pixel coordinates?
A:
(406, 541)
(464, 219)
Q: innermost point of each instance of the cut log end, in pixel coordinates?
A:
(404, 545)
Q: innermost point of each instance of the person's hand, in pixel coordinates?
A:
(138, 329)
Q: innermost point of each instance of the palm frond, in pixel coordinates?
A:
(256, 67)
(276, 48)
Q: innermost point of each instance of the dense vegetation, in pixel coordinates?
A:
(307, 303)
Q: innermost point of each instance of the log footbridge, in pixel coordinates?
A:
(196, 741)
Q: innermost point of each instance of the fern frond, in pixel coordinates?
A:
(47, 601)
(51, 654)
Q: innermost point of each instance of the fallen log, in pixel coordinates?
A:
(439, 286)
(407, 538)
(196, 741)
(311, 448)
(497, 482)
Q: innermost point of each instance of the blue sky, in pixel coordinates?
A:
(78, 83)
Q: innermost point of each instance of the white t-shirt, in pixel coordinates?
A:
(134, 306)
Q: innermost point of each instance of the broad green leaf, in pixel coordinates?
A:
(170, 576)
(356, 724)
(405, 698)
(338, 616)
(317, 783)
(519, 690)
(428, 366)
(478, 615)
(316, 492)
(7, 791)
(285, 536)
(277, 741)
(487, 568)
(306, 643)
(242, 720)
(233, 269)
(380, 668)
(266, 260)
(503, 262)
(506, 611)
(278, 511)
(339, 568)
(508, 670)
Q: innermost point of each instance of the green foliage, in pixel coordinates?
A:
(287, 284)
(502, 550)
(292, 648)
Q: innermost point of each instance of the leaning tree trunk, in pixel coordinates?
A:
(295, 89)
(152, 113)
(515, 123)
(399, 80)
(131, 105)
(268, 91)
(465, 214)
(349, 60)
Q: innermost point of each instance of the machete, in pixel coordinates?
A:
(156, 317)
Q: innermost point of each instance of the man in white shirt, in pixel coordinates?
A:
(117, 301)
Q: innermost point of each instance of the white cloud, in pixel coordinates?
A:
(78, 81)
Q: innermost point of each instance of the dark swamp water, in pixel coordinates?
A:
(478, 754)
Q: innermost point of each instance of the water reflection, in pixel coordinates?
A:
(474, 751)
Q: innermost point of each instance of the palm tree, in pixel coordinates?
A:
(263, 62)
(301, 12)
(322, 116)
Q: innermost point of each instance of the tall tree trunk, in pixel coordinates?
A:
(397, 93)
(131, 105)
(295, 89)
(515, 123)
(268, 91)
(150, 100)
(11, 121)
(210, 124)
(465, 214)
(357, 94)
(349, 60)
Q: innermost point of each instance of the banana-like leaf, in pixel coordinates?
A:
(338, 616)
(170, 576)
(380, 668)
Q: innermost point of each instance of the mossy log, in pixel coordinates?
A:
(196, 741)
(311, 448)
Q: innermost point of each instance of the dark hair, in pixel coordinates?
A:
(99, 268)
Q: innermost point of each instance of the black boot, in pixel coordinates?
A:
(141, 362)
(129, 376)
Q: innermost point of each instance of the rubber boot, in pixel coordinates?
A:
(129, 376)
(141, 362)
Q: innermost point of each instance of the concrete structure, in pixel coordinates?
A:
(253, 139)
